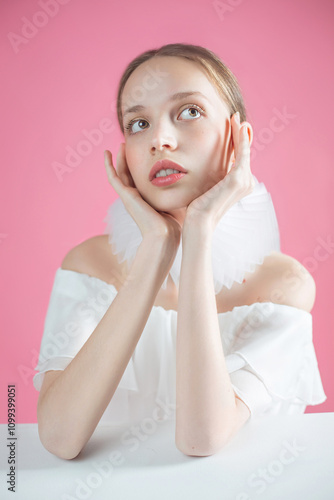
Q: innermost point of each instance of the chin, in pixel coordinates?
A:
(168, 201)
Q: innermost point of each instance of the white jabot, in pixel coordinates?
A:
(245, 234)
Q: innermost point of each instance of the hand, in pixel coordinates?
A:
(237, 183)
(149, 221)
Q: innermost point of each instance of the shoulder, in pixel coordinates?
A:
(92, 257)
(284, 280)
(83, 254)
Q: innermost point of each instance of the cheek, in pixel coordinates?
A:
(210, 148)
(131, 156)
(136, 165)
(210, 135)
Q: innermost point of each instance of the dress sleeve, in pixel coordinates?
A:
(271, 359)
(76, 306)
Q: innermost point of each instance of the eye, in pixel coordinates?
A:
(129, 128)
(193, 107)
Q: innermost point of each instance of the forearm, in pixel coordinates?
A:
(205, 400)
(75, 401)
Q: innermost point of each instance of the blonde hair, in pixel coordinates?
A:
(217, 72)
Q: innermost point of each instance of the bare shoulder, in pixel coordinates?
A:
(93, 257)
(282, 279)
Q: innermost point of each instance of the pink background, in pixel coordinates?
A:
(61, 80)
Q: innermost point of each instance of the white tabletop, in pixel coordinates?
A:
(282, 457)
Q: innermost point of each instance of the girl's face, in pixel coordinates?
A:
(193, 131)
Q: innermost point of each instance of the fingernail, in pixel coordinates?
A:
(237, 117)
(245, 131)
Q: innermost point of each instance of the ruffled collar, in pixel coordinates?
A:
(245, 234)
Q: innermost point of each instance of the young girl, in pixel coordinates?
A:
(185, 307)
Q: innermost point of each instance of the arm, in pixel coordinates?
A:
(70, 409)
(207, 411)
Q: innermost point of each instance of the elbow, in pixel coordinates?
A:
(56, 437)
(203, 448)
(205, 443)
(61, 447)
(64, 454)
(196, 450)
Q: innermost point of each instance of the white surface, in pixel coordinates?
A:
(152, 468)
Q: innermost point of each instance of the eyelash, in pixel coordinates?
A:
(132, 122)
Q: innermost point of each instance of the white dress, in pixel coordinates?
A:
(268, 350)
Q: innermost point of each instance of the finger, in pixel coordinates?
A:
(122, 167)
(235, 133)
(113, 178)
(238, 134)
(243, 152)
(235, 122)
(108, 164)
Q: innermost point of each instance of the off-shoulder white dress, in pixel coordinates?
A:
(268, 349)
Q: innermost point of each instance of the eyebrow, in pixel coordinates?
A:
(175, 97)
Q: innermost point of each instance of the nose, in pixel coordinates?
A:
(163, 137)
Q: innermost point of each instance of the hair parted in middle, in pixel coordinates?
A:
(217, 72)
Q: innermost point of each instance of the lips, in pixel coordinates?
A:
(164, 165)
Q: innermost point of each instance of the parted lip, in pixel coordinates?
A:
(164, 165)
